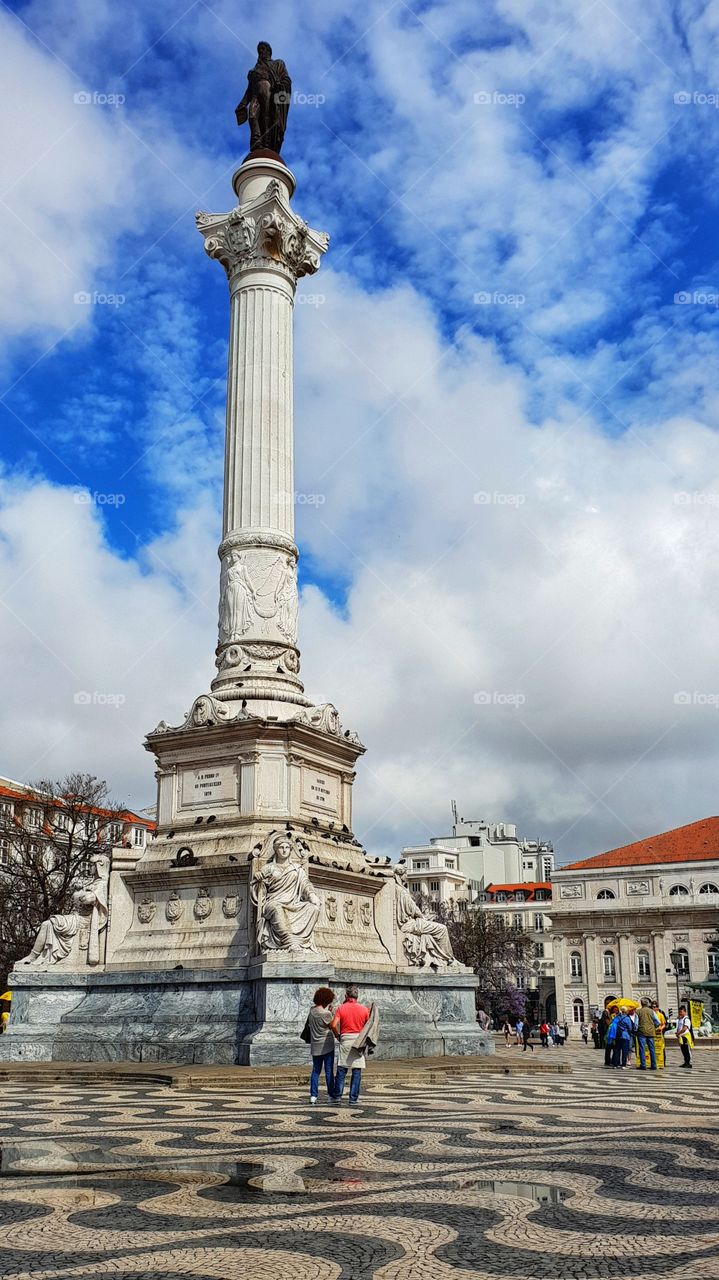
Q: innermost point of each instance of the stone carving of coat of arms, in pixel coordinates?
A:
(366, 913)
(146, 910)
(348, 910)
(174, 908)
(331, 907)
(231, 904)
(203, 905)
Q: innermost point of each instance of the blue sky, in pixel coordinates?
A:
(520, 301)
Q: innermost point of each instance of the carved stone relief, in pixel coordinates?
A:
(348, 910)
(146, 910)
(174, 908)
(203, 905)
(331, 907)
(231, 904)
(638, 886)
(366, 913)
(570, 891)
(257, 586)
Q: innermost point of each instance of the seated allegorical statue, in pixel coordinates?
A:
(424, 940)
(56, 936)
(287, 905)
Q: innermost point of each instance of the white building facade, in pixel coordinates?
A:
(459, 866)
(617, 918)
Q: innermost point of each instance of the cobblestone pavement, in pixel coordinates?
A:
(598, 1173)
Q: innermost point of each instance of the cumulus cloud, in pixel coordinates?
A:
(510, 546)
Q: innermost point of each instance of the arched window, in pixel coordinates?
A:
(575, 965)
(683, 960)
(678, 890)
(577, 1011)
(610, 968)
(708, 888)
(606, 893)
(643, 966)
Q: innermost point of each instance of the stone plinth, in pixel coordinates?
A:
(250, 1016)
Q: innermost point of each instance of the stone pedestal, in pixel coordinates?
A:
(251, 1016)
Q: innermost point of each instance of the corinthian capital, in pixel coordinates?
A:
(263, 233)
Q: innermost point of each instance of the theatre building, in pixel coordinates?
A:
(639, 921)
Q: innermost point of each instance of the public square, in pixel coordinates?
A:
(593, 1173)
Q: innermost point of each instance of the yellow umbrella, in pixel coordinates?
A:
(624, 1005)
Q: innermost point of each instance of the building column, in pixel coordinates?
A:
(590, 969)
(660, 967)
(560, 975)
(627, 979)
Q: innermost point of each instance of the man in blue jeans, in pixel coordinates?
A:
(348, 1022)
(647, 1023)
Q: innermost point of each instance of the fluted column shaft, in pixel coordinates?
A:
(264, 248)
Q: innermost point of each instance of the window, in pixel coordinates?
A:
(449, 864)
(7, 809)
(606, 893)
(708, 888)
(538, 922)
(61, 820)
(33, 818)
(575, 965)
(521, 981)
(114, 832)
(91, 827)
(643, 966)
(416, 886)
(683, 960)
(713, 965)
(548, 865)
(609, 964)
(678, 891)
(418, 864)
(577, 1011)
(539, 950)
(520, 897)
(518, 920)
(501, 897)
(138, 836)
(462, 904)
(4, 852)
(434, 886)
(541, 895)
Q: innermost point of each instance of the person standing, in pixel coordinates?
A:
(527, 1036)
(347, 1023)
(647, 1023)
(684, 1036)
(544, 1034)
(623, 1036)
(507, 1030)
(322, 1042)
(518, 1029)
(585, 1032)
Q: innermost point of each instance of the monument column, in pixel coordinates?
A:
(264, 248)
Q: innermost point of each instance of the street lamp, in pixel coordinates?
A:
(676, 959)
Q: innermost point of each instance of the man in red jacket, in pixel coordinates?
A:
(347, 1024)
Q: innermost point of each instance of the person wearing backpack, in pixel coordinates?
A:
(623, 1036)
(319, 1035)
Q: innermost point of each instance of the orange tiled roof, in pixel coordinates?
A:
(697, 842)
(25, 795)
(527, 887)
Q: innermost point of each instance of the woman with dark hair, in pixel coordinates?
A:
(322, 1042)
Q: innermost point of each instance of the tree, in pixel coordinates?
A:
(47, 837)
(500, 955)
